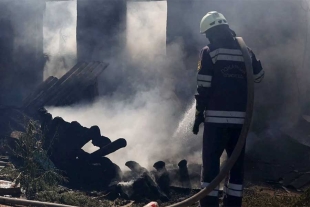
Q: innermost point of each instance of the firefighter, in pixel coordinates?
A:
(221, 103)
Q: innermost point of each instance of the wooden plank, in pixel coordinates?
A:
(49, 93)
(68, 85)
(72, 94)
(68, 88)
(86, 79)
(37, 90)
(40, 92)
(41, 98)
(65, 86)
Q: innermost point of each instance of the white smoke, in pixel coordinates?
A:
(144, 107)
(59, 37)
(149, 118)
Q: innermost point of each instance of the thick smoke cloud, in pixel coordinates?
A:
(142, 106)
(143, 91)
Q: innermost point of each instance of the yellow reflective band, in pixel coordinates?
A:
(199, 65)
(197, 112)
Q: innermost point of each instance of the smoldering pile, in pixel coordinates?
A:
(139, 184)
(63, 142)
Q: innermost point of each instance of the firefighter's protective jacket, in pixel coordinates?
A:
(222, 85)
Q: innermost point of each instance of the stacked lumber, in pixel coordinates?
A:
(79, 83)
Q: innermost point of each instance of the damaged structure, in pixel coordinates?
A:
(101, 32)
(63, 140)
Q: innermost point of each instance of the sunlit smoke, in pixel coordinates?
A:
(60, 37)
(144, 107)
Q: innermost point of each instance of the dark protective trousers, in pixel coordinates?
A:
(216, 139)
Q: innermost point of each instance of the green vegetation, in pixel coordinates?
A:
(37, 172)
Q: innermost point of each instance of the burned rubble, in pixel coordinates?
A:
(63, 140)
(162, 177)
(139, 184)
(184, 178)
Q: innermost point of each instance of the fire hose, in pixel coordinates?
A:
(241, 141)
(23, 202)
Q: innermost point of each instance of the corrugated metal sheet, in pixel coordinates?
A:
(68, 89)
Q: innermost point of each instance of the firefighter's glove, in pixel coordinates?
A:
(199, 118)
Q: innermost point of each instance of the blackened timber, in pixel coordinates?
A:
(50, 81)
(162, 177)
(85, 79)
(69, 84)
(75, 84)
(69, 89)
(110, 148)
(49, 92)
(184, 175)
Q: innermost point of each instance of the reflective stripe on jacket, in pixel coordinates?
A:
(222, 84)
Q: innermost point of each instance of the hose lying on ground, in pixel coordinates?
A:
(22, 202)
(244, 132)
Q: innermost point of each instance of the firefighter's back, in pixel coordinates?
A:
(227, 100)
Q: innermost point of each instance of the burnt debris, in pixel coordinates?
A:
(140, 186)
(65, 141)
(184, 178)
(162, 177)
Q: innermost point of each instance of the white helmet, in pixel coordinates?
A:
(211, 19)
